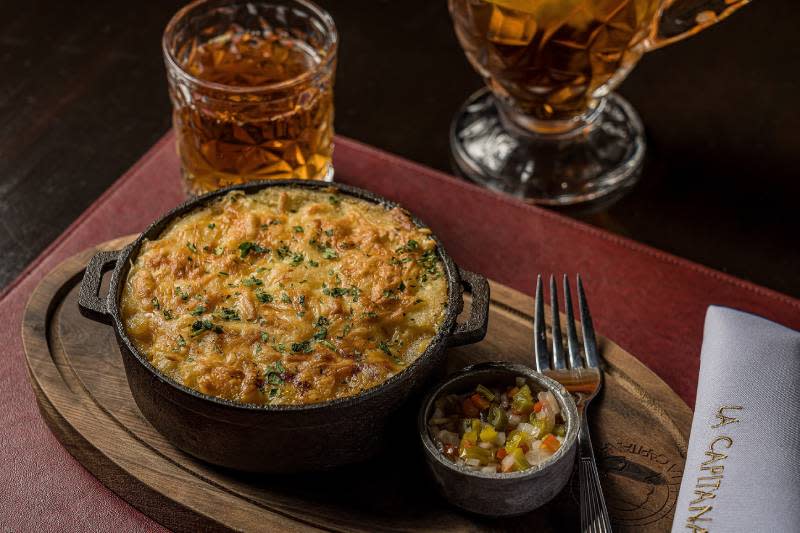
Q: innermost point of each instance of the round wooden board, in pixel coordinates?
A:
(640, 429)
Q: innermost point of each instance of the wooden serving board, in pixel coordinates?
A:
(639, 427)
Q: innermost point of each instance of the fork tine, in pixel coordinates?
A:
(539, 338)
(589, 341)
(573, 347)
(558, 345)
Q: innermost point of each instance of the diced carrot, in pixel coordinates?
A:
(524, 448)
(479, 401)
(512, 391)
(538, 406)
(501, 453)
(469, 408)
(551, 443)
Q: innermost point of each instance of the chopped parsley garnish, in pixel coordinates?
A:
(201, 326)
(199, 310)
(155, 303)
(337, 292)
(226, 313)
(322, 321)
(263, 297)
(328, 344)
(428, 262)
(275, 376)
(252, 281)
(218, 250)
(181, 341)
(275, 373)
(283, 252)
(304, 347)
(385, 349)
(183, 294)
(301, 299)
(167, 314)
(371, 314)
(334, 200)
(285, 298)
(297, 259)
(312, 263)
(329, 232)
(410, 246)
(192, 247)
(298, 229)
(212, 226)
(264, 336)
(329, 253)
(246, 247)
(221, 273)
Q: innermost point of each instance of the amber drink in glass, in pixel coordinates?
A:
(251, 85)
(548, 128)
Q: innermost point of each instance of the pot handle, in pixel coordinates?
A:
(90, 303)
(474, 329)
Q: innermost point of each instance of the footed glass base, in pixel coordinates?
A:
(594, 159)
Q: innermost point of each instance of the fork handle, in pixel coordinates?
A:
(594, 514)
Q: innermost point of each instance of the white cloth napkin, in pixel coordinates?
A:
(742, 469)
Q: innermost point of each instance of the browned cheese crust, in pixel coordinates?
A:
(285, 296)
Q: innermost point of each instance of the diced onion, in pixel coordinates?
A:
(485, 445)
(549, 400)
(513, 420)
(448, 437)
(507, 464)
(473, 462)
(501, 438)
(526, 428)
(489, 469)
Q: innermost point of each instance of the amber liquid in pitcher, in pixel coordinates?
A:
(553, 58)
(227, 137)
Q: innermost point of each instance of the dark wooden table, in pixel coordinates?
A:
(83, 95)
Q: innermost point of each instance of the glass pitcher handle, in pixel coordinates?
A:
(683, 18)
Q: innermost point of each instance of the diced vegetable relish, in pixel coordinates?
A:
(498, 429)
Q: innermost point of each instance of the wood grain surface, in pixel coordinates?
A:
(640, 430)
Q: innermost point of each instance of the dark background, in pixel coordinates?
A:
(83, 95)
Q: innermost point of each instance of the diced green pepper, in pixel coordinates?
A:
(470, 424)
(560, 430)
(522, 402)
(488, 434)
(476, 452)
(520, 463)
(486, 393)
(498, 417)
(515, 438)
(541, 425)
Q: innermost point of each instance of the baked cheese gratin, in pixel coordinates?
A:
(285, 296)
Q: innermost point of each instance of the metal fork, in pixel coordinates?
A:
(583, 381)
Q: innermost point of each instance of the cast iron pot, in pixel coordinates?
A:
(274, 438)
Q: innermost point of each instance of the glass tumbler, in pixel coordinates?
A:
(548, 128)
(251, 84)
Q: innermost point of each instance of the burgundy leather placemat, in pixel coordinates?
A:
(650, 303)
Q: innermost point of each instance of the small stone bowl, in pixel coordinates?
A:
(501, 494)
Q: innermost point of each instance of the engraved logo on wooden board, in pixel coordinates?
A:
(641, 482)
